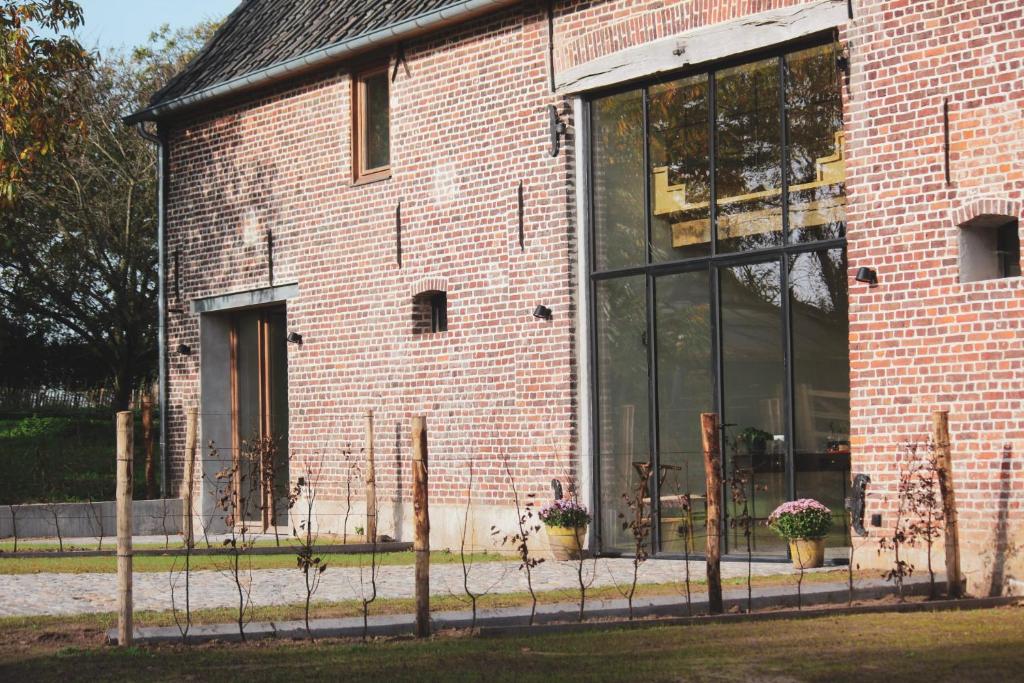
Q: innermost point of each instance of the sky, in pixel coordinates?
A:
(126, 23)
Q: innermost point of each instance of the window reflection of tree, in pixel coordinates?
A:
(749, 155)
(818, 283)
(760, 280)
(814, 116)
(619, 210)
(678, 128)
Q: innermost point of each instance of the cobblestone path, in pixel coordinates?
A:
(57, 594)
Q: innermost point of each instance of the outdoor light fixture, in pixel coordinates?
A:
(184, 350)
(867, 275)
(294, 338)
(542, 312)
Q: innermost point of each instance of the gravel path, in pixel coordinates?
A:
(57, 594)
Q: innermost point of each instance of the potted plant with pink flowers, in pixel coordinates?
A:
(566, 522)
(804, 523)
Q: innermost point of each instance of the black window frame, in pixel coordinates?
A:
(710, 263)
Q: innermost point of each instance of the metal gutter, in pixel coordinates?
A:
(320, 58)
(161, 245)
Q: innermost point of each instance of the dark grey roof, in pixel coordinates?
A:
(263, 33)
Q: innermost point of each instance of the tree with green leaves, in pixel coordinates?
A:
(78, 243)
(38, 61)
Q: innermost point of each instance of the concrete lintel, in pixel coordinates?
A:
(253, 297)
(704, 45)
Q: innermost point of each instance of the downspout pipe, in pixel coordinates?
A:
(324, 57)
(160, 141)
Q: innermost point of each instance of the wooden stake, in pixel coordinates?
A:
(944, 464)
(713, 477)
(371, 482)
(147, 444)
(191, 432)
(421, 543)
(125, 631)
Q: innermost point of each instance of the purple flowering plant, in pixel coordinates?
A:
(805, 518)
(565, 513)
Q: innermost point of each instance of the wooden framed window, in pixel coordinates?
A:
(371, 117)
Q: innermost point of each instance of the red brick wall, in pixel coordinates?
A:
(469, 124)
(921, 340)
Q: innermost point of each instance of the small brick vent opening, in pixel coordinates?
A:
(989, 248)
(430, 312)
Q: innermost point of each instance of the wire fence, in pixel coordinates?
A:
(59, 399)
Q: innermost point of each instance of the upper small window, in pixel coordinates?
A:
(372, 124)
(989, 248)
(430, 312)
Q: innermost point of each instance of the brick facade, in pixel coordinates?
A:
(469, 124)
(921, 340)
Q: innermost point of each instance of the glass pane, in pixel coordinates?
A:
(377, 122)
(247, 395)
(748, 164)
(277, 353)
(618, 177)
(621, 329)
(817, 167)
(821, 381)
(753, 386)
(685, 390)
(680, 169)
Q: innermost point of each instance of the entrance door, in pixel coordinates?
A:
(260, 414)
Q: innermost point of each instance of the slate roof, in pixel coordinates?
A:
(263, 33)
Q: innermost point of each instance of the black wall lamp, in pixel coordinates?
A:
(184, 350)
(542, 312)
(294, 338)
(867, 275)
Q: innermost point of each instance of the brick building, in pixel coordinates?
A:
(563, 230)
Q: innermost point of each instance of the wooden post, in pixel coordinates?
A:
(713, 476)
(422, 541)
(191, 435)
(371, 482)
(147, 444)
(944, 465)
(125, 631)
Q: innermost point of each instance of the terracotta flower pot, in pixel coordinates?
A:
(807, 553)
(566, 543)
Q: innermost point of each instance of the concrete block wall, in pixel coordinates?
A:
(87, 520)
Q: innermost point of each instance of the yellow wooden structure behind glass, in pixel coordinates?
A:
(825, 209)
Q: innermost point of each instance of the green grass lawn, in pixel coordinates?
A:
(982, 645)
(164, 563)
(63, 458)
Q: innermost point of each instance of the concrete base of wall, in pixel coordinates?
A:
(987, 571)
(88, 520)
(397, 521)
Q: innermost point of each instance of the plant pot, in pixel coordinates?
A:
(566, 543)
(807, 553)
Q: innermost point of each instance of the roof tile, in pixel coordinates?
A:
(263, 33)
